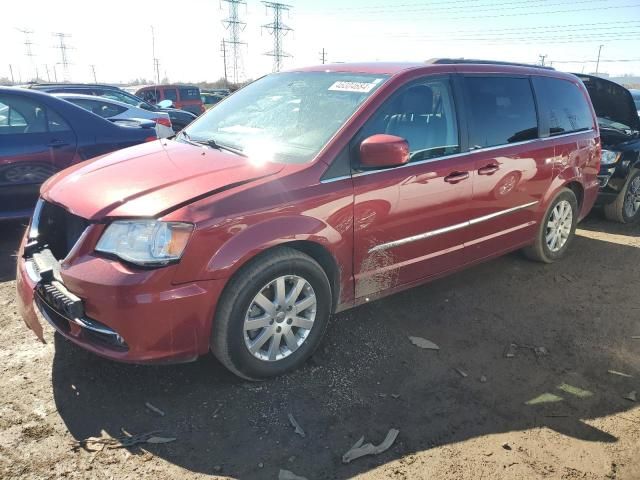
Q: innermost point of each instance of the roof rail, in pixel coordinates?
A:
(449, 61)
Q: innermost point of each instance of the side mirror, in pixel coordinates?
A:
(384, 151)
(165, 104)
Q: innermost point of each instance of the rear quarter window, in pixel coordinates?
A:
(170, 94)
(564, 107)
(189, 94)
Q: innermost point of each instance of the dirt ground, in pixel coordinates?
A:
(556, 414)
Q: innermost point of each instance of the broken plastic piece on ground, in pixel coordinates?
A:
(578, 392)
(360, 450)
(296, 426)
(631, 396)
(154, 409)
(289, 475)
(461, 372)
(510, 351)
(635, 337)
(395, 395)
(424, 343)
(621, 374)
(483, 379)
(544, 398)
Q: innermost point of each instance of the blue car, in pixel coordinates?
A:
(41, 134)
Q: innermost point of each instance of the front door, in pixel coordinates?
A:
(409, 220)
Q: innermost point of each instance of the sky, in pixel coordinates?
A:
(116, 36)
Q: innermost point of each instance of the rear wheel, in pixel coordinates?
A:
(272, 315)
(556, 230)
(626, 207)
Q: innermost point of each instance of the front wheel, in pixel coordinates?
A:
(556, 230)
(272, 315)
(626, 207)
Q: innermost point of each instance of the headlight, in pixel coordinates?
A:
(609, 157)
(145, 242)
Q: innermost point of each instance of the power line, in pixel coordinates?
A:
(235, 27)
(278, 30)
(520, 14)
(63, 53)
(434, 9)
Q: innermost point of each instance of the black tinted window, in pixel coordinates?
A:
(170, 94)
(563, 106)
(501, 111)
(189, 93)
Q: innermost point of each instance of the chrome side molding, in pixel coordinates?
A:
(450, 228)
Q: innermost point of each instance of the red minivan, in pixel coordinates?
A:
(184, 97)
(306, 193)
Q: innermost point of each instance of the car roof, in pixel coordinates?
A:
(393, 68)
(81, 96)
(169, 85)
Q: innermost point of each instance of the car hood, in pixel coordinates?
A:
(150, 179)
(611, 101)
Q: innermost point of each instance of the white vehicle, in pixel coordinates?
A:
(118, 111)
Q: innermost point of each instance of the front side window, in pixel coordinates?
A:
(170, 94)
(563, 105)
(285, 117)
(424, 114)
(501, 111)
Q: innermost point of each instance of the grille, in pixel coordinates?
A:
(58, 229)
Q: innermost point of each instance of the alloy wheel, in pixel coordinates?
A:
(632, 198)
(28, 173)
(279, 318)
(559, 226)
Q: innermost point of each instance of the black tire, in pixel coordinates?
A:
(616, 211)
(540, 251)
(227, 334)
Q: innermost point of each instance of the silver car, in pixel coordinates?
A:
(115, 110)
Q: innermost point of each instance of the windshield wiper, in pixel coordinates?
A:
(211, 144)
(221, 146)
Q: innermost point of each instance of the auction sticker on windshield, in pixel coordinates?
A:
(361, 87)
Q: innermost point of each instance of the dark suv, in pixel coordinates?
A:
(179, 118)
(620, 133)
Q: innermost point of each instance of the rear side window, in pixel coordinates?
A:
(501, 111)
(102, 109)
(170, 94)
(189, 94)
(563, 106)
(22, 115)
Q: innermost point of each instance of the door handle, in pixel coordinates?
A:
(456, 177)
(488, 169)
(57, 143)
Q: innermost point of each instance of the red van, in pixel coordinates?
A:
(184, 97)
(306, 193)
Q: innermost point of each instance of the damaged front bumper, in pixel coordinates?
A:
(120, 314)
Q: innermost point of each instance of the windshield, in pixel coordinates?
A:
(606, 123)
(285, 117)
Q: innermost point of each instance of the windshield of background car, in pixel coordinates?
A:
(286, 117)
(605, 122)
